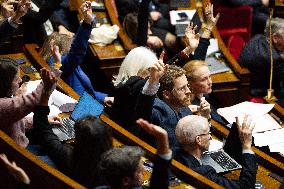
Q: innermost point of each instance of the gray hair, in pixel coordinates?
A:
(276, 25)
(189, 127)
(138, 59)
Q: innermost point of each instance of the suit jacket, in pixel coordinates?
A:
(6, 31)
(247, 177)
(255, 56)
(160, 113)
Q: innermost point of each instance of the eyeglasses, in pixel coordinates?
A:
(209, 133)
(183, 88)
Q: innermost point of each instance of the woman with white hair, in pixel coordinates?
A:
(137, 61)
(128, 83)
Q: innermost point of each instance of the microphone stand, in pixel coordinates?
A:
(270, 91)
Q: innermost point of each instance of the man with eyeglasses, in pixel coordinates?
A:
(193, 135)
(172, 101)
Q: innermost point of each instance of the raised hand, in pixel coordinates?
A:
(7, 8)
(22, 9)
(55, 51)
(49, 80)
(245, 131)
(17, 172)
(87, 12)
(158, 70)
(192, 38)
(204, 108)
(159, 133)
(211, 21)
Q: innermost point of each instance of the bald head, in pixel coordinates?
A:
(189, 127)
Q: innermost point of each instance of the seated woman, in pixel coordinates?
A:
(80, 161)
(69, 64)
(13, 109)
(199, 79)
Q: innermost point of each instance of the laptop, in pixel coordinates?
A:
(228, 158)
(179, 3)
(180, 19)
(87, 105)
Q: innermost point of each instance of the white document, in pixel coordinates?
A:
(274, 139)
(174, 16)
(55, 101)
(277, 148)
(257, 111)
(215, 145)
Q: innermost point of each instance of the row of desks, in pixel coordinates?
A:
(267, 165)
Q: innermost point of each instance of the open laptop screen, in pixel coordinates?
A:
(87, 105)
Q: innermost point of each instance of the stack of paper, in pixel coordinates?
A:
(55, 101)
(273, 139)
(259, 113)
(267, 131)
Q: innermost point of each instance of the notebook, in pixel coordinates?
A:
(228, 158)
(87, 105)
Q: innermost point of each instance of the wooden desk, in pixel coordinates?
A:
(33, 76)
(111, 55)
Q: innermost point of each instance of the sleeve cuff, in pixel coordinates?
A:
(167, 156)
(13, 24)
(150, 89)
(248, 152)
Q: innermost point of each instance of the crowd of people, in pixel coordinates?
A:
(161, 92)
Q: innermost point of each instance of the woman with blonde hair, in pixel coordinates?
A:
(199, 79)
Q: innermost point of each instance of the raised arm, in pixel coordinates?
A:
(145, 102)
(80, 43)
(160, 174)
(18, 107)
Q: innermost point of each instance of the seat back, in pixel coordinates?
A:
(233, 21)
(113, 15)
(41, 175)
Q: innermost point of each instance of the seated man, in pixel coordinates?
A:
(193, 134)
(123, 167)
(172, 104)
(256, 57)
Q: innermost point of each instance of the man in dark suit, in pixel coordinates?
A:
(193, 134)
(123, 167)
(256, 57)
